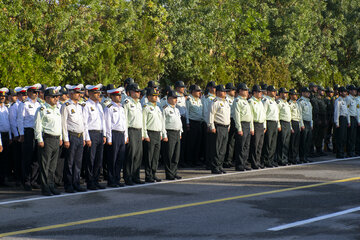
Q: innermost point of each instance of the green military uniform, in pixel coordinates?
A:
(330, 118)
(320, 124)
(48, 130)
(152, 129)
(243, 120)
(296, 123)
(283, 141)
(206, 101)
(306, 111)
(354, 122)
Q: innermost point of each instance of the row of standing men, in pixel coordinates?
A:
(225, 123)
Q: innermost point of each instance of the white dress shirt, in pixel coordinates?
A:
(13, 118)
(26, 114)
(4, 120)
(72, 119)
(93, 118)
(115, 119)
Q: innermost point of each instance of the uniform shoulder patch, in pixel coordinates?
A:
(83, 104)
(165, 106)
(109, 105)
(42, 108)
(67, 104)
(126, 101)
(215, 99)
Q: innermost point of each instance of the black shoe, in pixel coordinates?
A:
(177, 176)
(248, 168)
(79, 188)
(138, 181)
(120, 184)
(54, 191)
(69, 190)
(228, 165)
(112, 185)
(223, 171)
(92, 187)
(170, 178)
(282, 164)
(239, 169)
(149, 180)
(27, 187)
(35, 186)
(255, 166)
(157, 179)
(275, 164)
(268, 165)
(216, 172)
(100, 186)
(129, 183)
(46, 192)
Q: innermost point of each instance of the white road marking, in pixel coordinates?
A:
(164, 182)
(315, 219)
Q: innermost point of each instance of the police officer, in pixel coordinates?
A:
(206, 101)
(144, 99)
(5, 133)
(26, 124)
(341, 121)
(95, 138)
(244, 127)
(181, 105)
(306, 124)
(319, 119)
(329, 101)
(354, 120)
(49, 137)
(116, 137)
(259, 119)
(125, 93)
(283, 141)
(295, 126)
(219, 124)
(134, 149)
(272, 127)
(194, 108)
(229, 156)
(171, 136)
(74, 139)
(152, 131)
(357, 143)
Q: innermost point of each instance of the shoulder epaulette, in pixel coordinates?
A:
(165, 106)
(83, 104)
(126, 101)
(67, 104)
(109, 105)
(215, 99)
(23, 101)
(42, 108)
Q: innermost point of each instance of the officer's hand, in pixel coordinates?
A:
(213, 130)
(349, 125)
(10, 141)
(165, 139)
(302, 128)
(142, 139)
(292, 131)
(279, 129)
(188, 126)
(1, 148)
(66, 144)
(147, 139)
(265, 130)
(161, 138)
(337, 126)
(109, 143)
(127, 141)
(240, 133)
(359, 124)
(104, 140)
(88, 143)
(41, 144)
(252, 133)
(61, 142)
(180, 137)
(21, 139)
(84, 144)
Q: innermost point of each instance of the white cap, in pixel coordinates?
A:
(115, 90)
(3, 91)
(78, 87)
(36, 86)
(94, 88)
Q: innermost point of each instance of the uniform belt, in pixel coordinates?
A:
(195, 121)
(221, 125)
(153, 131)
(46, 135)
(117, 131)
(171, 130)
(78, 135)
(134, 128)
(96, 131)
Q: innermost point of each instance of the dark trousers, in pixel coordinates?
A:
(229, 156)
(152, 154)
(242, 146)
(134, 152)
(218, 147)
(270, 139)
(183, 141)
(73, 161)
(256, 144)
(48, 157)
(30, 163)
(351, 137)
(172, 153)
(4, 157)
(94, 157)
(59, 172)
(194, 142)
(357, 144)
(283, 142)
(319, 133)
(341, 133)
(294, 142)
(116, 157)
(305, 141)
(15, 156)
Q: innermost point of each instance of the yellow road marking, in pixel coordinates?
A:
(70, 224)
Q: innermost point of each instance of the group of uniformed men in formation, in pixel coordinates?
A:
(55, 134)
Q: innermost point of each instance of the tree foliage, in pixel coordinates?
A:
(281, 42)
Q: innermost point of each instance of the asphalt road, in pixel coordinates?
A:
(237, 205)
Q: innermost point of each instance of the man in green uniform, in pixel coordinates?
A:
(48, 133)
(320, 122)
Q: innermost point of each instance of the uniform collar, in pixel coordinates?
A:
(255, 99)
(133, 100)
